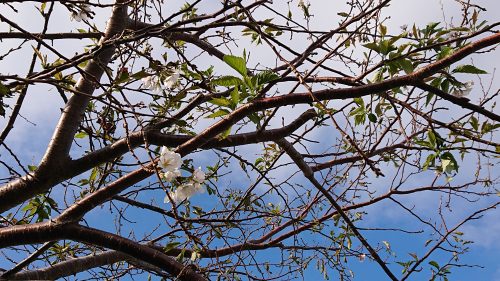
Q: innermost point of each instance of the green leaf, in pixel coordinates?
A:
(448, 162)
(383, 29)
(372, 46)
(372, 118)
(220, 101)
(139, 75)
(432, 138)
(487, 127)
(435, 264)
(254, 117)
(235, 96)
(445, 52)
(180, 256)
(445, 164)
(32, 168)
(467, 68)
(237, 63)
(266, 77)
(474, 123)
(4, 90)
(406, 65)
(218, 113)
(227, 81)
(423, 143)
(93, 174)
(386, 46)
(81, 135)
(359, 119)
(429, 161)
(123, 77)
(359, 101)
(357, 111)
(429, 97)
(39, 55)
(170, 246)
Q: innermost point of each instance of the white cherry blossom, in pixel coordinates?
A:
(171, 175)
(171, 80)
(198, 175)
(147, 81)
(184, 192)
(170, 160)
(465, 91)
(82, 14)
(152, 82)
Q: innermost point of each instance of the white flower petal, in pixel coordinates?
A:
(463, 91)
(172, 79)
(86, 8)
(147, 82)
(185, 191)
(198, 175)
(82, 14)
(170, 160)
(171, 175)
(199, 187)
(152, 83)
(76, 17)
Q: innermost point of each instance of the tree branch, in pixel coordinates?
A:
(50, 231)
(309, 174)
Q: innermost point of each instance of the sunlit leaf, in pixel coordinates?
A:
(467, 68)
(237, 63)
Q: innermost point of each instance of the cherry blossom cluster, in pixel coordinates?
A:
(464, 90)
(83, 14)
(155, 83)
(170, 162)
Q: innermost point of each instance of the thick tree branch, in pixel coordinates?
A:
(50, 231)
(57, 153)
(71, 266)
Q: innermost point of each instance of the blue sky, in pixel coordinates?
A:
(43, 107)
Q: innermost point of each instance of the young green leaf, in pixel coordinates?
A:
(235, 96)
(265, 77)
(237, 63)
(227, 81)
(218, 113)
(372, 46)
(220, 102)
(467, 68)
